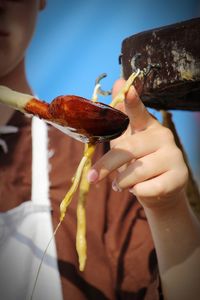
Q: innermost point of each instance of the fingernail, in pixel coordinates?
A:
(92, 176)
(115, 186)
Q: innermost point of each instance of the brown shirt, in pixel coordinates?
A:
(121, 261)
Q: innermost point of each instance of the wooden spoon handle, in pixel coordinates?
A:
(24, 103)
(14, 99)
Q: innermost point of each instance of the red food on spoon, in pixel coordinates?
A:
(80, 118)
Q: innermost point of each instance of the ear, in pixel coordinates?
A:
(41, 4)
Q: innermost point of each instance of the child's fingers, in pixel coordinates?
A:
(159, 187)
(138, 115)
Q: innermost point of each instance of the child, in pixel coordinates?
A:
(144, 162)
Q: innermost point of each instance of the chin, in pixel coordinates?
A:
(8, 65)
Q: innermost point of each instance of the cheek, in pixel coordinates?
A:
(12, 48)
(23, 29)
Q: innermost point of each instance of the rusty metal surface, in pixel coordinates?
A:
(176, 48)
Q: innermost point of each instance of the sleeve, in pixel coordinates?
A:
(131, 250)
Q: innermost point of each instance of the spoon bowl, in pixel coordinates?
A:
(87, 121)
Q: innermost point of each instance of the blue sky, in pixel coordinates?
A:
(77, 40)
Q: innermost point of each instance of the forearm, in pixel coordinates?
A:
(152, 167)
(176, 234)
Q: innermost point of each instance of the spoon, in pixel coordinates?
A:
(81, 119)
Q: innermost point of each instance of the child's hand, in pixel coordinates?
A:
(148, 161)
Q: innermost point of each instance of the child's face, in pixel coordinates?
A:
(17, 22)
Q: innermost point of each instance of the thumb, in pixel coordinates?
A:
(138, 115)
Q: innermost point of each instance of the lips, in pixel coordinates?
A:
(3, 33)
